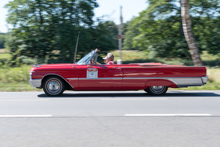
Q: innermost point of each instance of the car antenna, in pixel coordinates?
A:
(74, 60)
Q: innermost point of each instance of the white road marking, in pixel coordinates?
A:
(134, 99)
(114, 92)
(22, 100)
(168, 115)
(2, 116)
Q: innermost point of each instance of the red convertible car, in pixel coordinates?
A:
(86, 74)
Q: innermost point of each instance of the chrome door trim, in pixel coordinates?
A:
(131, 78)
(100, 78)
(72, 78)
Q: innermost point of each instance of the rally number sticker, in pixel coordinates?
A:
(92, 73)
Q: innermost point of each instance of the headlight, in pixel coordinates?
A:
(31, 74)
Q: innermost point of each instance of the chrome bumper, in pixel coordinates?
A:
(35, 83)
(204, 79)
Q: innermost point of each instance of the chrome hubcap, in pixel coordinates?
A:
(53, 86)
(158, 89)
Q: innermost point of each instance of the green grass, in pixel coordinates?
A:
(14, 74)
(15, 79)
(208, 57)
(17, 87)
(5, 55)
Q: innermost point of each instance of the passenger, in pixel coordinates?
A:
(92, 61)
(109, 59)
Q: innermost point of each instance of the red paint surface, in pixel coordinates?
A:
(118, 71)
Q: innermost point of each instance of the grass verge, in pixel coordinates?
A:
(5, 87)
(5, 55)
(15, 79)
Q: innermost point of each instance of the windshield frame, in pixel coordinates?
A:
(85, 60)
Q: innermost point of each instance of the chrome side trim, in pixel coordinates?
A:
(53, 74)
(35, 82)
(157, 77)
(179, 81)
(100, 78)
(72, 78)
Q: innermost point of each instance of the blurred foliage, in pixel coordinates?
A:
(5, 56)
(7, 74)
(158, 29)
(47, 30)
(2, 40)
(131, 31)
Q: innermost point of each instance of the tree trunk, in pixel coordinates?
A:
(194, 51)
(40, 13)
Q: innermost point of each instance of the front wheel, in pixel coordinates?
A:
(156, 90)
(53, 86)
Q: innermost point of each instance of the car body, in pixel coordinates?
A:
(154, 78)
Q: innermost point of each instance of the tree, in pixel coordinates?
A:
(48, 29)
(106, 33)
(194, 51)
(131, 30)
(2, 40)
(161, 28)
(161, 37)
(207, 33)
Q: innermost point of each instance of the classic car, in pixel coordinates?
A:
(86, 74)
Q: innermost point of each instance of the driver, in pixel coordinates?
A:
(109, 59)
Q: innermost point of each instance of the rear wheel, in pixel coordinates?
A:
(53, 86)
(156, 90)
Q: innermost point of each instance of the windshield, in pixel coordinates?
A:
(86, 58)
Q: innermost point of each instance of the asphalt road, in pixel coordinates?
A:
(110, 119)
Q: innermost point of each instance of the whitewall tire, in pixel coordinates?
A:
(156, 90)
(53, 86)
